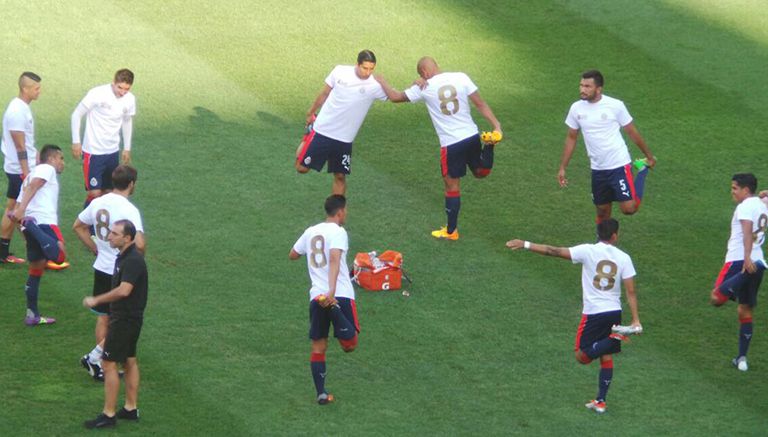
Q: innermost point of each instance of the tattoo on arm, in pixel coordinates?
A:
(22, 155)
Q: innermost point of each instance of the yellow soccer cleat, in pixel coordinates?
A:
(442, 233)
(50, 265)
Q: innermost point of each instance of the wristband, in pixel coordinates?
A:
(527, 245)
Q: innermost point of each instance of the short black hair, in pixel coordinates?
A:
(30, 75)
(746, 180)
(123, 175)
(47, 151)
(595, 75)
(366, 56)
(128, 228)
(606, 229)
(334, 203)
(124, 76)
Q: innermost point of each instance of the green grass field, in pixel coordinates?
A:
(483, 346)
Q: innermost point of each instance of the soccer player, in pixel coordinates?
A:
(600, 119)
(742, 273)
(99, 216)
(331, 298)
(447, 96)
(37, 209)
(604, 269)
(127, 301)
(18, 144)
(109, 111)
(346, 97)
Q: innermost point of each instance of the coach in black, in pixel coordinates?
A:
(127, 301)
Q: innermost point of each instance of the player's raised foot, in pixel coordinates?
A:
(640, 163)
(124, 414)
(741, 363)
(101, 421)
(325, 398)
(11, 259)
(627, 330)
(620, 337)
(50, 265)
(442, 233)
(39, 320)
(598, 406)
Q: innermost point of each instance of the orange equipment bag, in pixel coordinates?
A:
(382, 272)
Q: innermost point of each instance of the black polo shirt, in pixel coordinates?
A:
(130, 267)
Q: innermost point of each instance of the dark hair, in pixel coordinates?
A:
(366, 56)
(595, 75)
(606, 229)
(124, 76)
(123, 176)
(29, 75)
(334, 203)
(47, 151)
(128, 228)
(746, 180)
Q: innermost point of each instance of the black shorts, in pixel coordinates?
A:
(34, 250)
(14, 185)
(102, 283)
(615, 185)
(320, 319)
(455, 159)
(321, 149)
(596, 327)
(745, 287)
(122, 337)
(97, 170)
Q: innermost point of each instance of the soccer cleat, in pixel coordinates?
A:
(741, 363)
(50, 265)
(598, 406)
(86, 364)
(640, 163)
(11, 259)
(442, 233)
(620, 337)
(101, 421)
(39, 320)
(325, 398)
(627, 330)
(124, 414)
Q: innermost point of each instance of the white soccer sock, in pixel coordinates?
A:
(95, 355)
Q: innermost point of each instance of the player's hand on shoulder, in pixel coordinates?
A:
(763, 194)
(421, 83)
(515, 244)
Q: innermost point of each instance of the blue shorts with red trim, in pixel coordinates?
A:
(97, 170)
(616, 185)
(318, 149)
(743, 287)
(320, 319)
(596, 327)
(34, 250)
(455, 158)
(14, 185)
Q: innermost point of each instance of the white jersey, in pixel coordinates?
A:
(316, 243)
(600, 125)
(44, 206)
(101, 213)
(604, 266)
(105, 115)
(18, 117)
(753, 209)
(447, 100)
(348, 103)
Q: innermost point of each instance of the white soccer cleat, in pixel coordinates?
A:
(741, 363)
(627, 330)
(597, 406)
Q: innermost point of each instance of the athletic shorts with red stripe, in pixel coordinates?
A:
(596, 327)
(615, 185)
(34, 250)
(745, 290)
(318, 149)
(320, 319)
(97, 170)
(455, 158)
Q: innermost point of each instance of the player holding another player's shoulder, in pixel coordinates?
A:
(447, 96)
(99, 216)
(109, 110)
(331, 298)
(600, 119)
(20, 154)
(742, 273)
(346, 97)
(604, 269)
(37, 208)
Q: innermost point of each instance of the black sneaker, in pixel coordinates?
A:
(101, 421)
(124, 414)
(84, 363)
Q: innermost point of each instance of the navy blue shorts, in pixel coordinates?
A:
(744, 287)
(321, 149)
(102, 283)
(34, 251)
(615, 185)
(596, 327)
(97, 170)
(320, 319)
(14, 186)
(455, 159)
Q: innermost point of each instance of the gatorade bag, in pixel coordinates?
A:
(379, 272)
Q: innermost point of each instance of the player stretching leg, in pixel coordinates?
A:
(742, 273)
(604, 269)
(331, 298)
